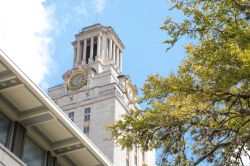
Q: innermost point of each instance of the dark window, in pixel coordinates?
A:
(87, 110)
(87, 117)
(71, 116)
(95, 48)
(86, 120)
(88, 51)
(86, 130)
(33, 155)
(82, 45)
(12, 135)
(87, 114)
(16, 142)
(4, 129)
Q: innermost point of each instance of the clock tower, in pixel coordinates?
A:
(95, 92)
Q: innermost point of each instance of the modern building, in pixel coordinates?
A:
(33, 129)
(95, 92)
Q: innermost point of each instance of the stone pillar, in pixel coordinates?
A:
(110, 49)
(103, 49)
(117, 57)
(91, 49)
(120, 63)
(84, 51)
(99, 46)
(78, 56)
(113, 56)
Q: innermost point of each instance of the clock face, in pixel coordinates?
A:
(77, 81)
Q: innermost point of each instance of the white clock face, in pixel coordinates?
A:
(77, 81)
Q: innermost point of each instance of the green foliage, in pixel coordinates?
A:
(204, 107)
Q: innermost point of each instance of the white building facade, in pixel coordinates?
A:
(95, 93)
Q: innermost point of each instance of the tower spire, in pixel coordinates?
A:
(97, 13)
(84, 21)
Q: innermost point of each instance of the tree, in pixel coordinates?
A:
(203, 108)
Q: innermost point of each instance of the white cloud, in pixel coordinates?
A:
(99, 5)
(24, 36)
(81, 12)
(80, 9)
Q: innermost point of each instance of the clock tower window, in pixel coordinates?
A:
(88, 51)
(86, 130)
(81, 45)
(86, 124)
(87, 114)
(95, 48)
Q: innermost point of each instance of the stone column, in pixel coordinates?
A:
(78, 55)
(103, 49)
(84, 51)
(110, 49)
(117, 57)
(113, 56)
(91, 49)
(99, 46)
(120, 63)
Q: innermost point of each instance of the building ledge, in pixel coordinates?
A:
(8, 158)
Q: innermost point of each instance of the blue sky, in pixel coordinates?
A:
(137, 24)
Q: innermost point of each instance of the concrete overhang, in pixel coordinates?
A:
(21, 100)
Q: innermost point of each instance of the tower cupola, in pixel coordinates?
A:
(98, 44)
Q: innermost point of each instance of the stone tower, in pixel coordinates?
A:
(95, 93)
